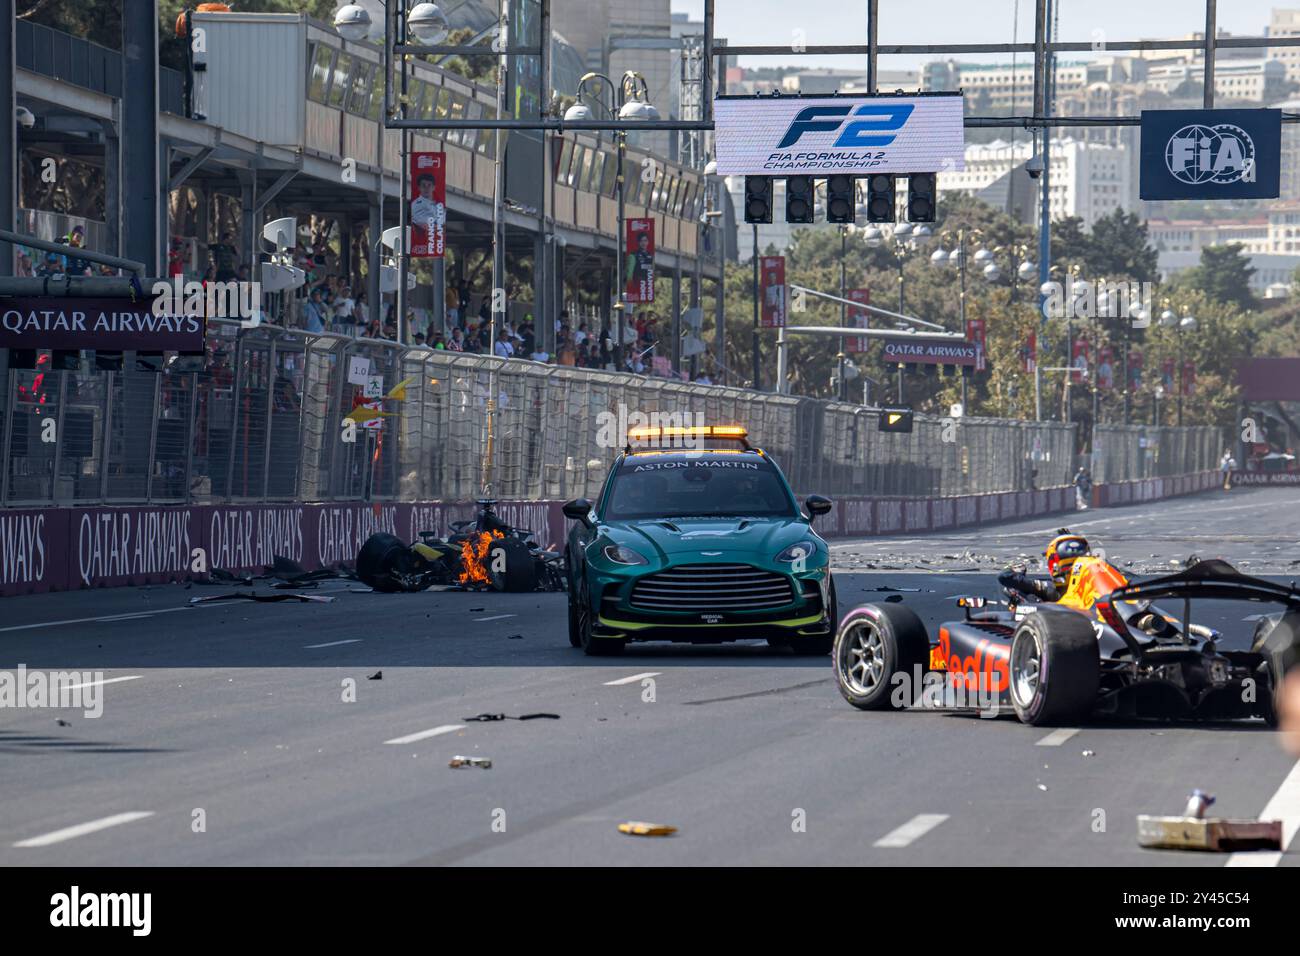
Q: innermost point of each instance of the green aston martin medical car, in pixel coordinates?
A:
(703, 544)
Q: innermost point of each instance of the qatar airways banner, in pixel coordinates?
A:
(908, 349)
(61, 549)
(56, 322)
(791, 135)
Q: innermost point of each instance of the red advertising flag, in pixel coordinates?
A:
(1189, 377)
(1080, 359)
(771, 271)
(1135, 369)
(639, 261)
(1106, 368)
(428, 205)
(858, 319)
(1030, 352)
(975, 335)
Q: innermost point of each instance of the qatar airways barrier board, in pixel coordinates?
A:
(793, 135)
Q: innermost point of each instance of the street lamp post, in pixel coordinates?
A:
(1180, 326)
(630, 99)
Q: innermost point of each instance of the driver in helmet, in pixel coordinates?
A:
(1061, 553)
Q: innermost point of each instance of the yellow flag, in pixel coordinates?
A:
(398, 394)
(363, 413)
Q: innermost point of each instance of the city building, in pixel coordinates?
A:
(1088, 180)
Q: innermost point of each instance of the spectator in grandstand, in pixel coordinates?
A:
(224, 255)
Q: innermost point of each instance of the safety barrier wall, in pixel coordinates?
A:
(58, 549)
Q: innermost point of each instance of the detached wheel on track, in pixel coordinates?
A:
(874, 642)
(1055, 668)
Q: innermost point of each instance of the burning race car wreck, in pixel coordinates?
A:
(484, 553)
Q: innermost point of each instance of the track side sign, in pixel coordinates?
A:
(785, 136)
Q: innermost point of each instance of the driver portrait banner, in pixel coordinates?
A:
(975, 335)
(639, 260)
(818, 135)
(428, 205)
(858, 319)
(771, 272)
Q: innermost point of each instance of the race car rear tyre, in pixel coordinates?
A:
(1281, 651)
(1055, 668)
(380, 557)
(874, 643)
(517, 571)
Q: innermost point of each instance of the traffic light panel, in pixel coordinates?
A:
(799, 199)
(758, 199)
(880, 197)
(840, 199)
(920, 197)
(896, 420)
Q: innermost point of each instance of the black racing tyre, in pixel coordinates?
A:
(517, 571)
(380, 557)
(873, 644)
(591, 645)
(1280, 648)
(1055, 668)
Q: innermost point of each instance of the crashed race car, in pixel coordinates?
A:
(482, 553)
(1103, 649)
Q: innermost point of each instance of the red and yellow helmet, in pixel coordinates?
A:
(1062, 552)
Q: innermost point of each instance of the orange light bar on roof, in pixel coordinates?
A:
(677, 431)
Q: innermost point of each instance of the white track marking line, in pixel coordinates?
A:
(1285, 805)
(633, 679)
(101, 682)
(912, 830)
(90, 620)
(495, 617)
(81, 829)
(1057, 737)
(426, 734)
(351, 640)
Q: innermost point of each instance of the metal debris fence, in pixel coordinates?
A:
(262, 421)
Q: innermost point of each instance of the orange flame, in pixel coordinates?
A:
(473, 557)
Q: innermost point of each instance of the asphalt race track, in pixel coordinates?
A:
(236, 710)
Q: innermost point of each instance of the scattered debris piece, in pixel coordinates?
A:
(475, 610)
(1042, 786)
(489, 717)
(514, 637)
(1195, 831)
(637, 828)
(484, 762)
(63, 723)
(1089, 753)
(377, 675)
(894, 599)
(261, 598)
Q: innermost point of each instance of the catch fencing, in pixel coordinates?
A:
(1134, 452)
(262, 420)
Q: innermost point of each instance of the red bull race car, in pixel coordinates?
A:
(1103, 648)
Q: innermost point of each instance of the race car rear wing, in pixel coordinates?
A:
(1211, 578)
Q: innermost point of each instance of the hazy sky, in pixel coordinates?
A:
(771, 22)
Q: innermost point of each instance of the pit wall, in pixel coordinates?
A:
(62, 549)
